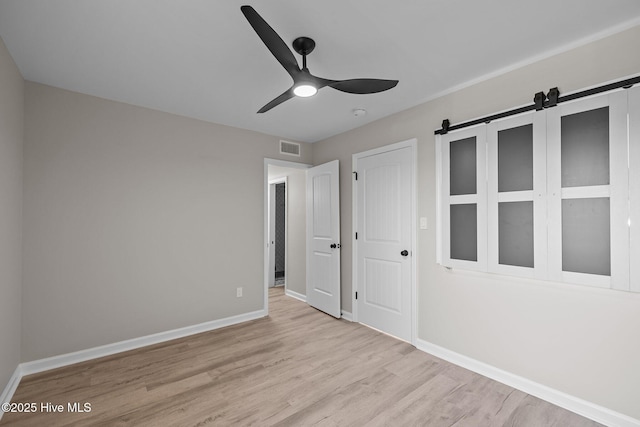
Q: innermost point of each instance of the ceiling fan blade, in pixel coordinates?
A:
(277, 101)
(272, 40)
(363, 86)
(318, 82)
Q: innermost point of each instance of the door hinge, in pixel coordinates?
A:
(356, 295)
(355, 174)
(356, 235)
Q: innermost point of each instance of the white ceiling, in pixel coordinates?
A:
(201, 58)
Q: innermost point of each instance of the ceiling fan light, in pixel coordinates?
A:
(305, 90)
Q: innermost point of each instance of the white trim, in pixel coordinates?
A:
(462, 199)
(296, 295)
(279, 180)
(265, 212)
(414, 242)
(586, 192)
(514, 196)
(12, 385)
(633, 130)
(413, 145)
(347, 316)
(438, 148)
(48, 363)
(354, 241)
(574, 404)
(619, 190)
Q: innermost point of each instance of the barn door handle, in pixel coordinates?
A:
(404, 253)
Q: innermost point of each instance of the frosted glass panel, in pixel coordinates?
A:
(464, 232)
(586, 244)
(585, 148)
(462, 169)
(515, 234)
(515, 159)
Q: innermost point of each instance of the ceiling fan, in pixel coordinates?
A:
(304, 83)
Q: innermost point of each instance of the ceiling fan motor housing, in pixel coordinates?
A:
(304, 45)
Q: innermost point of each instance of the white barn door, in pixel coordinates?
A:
(323, 238)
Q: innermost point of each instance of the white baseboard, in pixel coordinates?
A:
(347, 316)
(574, 404)
(118, 347)
(296, 295)
(33, 367)
(11, 387)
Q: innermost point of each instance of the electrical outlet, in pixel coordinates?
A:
(239, 292)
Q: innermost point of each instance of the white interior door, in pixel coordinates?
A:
(323, 238)
(384, 243)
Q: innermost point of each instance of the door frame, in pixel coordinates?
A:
(413, 145)
(265, 227)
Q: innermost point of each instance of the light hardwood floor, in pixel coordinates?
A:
(297, 367)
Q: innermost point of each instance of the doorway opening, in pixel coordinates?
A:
(278, 232)
(284, 228)
(280, 235)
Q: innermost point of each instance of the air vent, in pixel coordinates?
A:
(290, 148)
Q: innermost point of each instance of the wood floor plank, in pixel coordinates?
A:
(296, 367)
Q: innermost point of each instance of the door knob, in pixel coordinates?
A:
(404, 253)
(333, 245)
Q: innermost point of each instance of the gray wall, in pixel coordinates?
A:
(579, 340)
(135, 221)
(11, 139)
